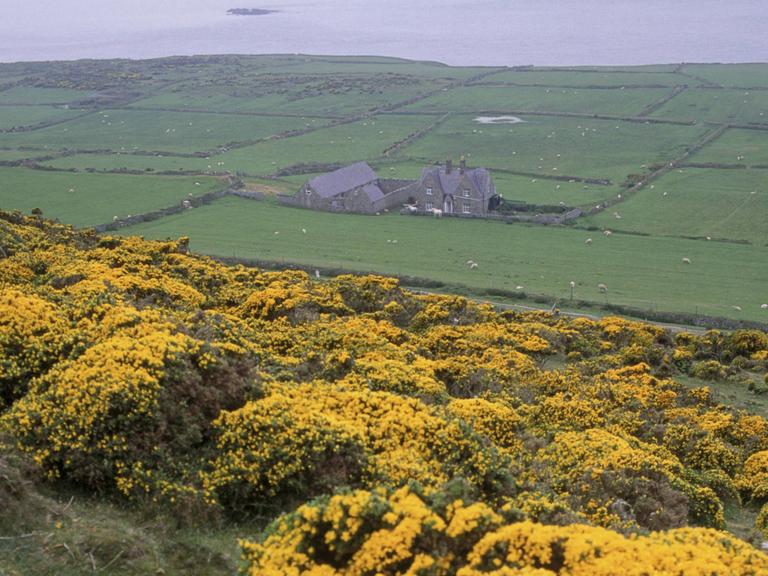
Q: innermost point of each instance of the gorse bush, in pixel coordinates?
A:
(416, 434)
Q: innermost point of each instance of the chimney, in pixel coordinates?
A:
(448, 166)
(462, 165)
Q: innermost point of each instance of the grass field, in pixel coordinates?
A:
(736, 146)
(571, 78)
(586, 147)
(639, 271)
(390, 112)
(18, 116)
(163, 131)
(127, 160)
(739, 75)
(28, 95)
(90, 199)
(715, 105)
(736, 206)
(504, 98)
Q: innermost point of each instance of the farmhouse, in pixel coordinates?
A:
(357, 188)
(467, 191)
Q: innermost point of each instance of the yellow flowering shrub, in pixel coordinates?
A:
(753, 480)
(144, 371)
(400, 438)
(33, 336)
(405, 533)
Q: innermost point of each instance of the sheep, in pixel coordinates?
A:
(686, 260)
(518, 287)
(115, 218)
(737, 308)
(588, 241)
(394, 241)
(277, 232)
(470, 262)
(607, 233)
(186, 204)
(473, 266)
(603, 288)
(617, 215)
(764, 306)
(438, 213)
(303, 230)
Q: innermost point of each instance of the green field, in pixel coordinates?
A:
(584, 78)
(736, 204)
(736, 146)
(18, 116)
(526, 98)
(90, 199)
(28, 95)
(739, 75)
(716, 105)
(241, 115)
(640, 271)
(558, 146)
(162, 131)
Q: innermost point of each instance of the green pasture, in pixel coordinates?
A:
(640, 271)
(149, 163)
(362, 140)
(90, 199)
(11, 154)
(18, 116)
(156, 130)
(586, 78)
(730, 204)
(557, 146)
(527, 98)
(28, 95)
(736, 146)
(717, 105)
(367, 66)
(739, 75)
(283, 93)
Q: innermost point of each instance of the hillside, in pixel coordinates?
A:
(670, 159)
(184, 404)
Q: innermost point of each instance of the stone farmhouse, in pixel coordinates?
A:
(443, 189)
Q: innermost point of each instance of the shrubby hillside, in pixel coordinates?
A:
(381, 431)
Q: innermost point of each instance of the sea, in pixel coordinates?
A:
(457, 32)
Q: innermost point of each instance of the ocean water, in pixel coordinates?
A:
(460, 32)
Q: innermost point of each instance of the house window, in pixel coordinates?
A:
(429, 191)
(466, 207)
(428, 206)
(466, 192)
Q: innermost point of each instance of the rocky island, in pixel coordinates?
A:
(249, 12)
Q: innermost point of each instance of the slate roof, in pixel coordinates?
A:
(449, 182)
(374, 192)
(344, 179)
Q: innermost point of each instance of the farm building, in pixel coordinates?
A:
(354, 188)
(357, 188)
